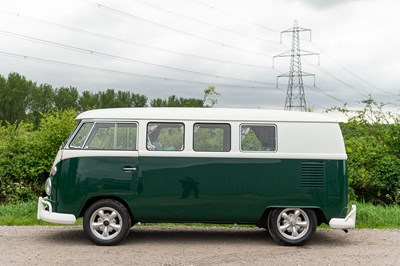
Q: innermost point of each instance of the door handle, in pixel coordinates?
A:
(129, 169)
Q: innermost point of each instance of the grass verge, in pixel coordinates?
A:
(377, 216)
(21, 214)
(368, 216)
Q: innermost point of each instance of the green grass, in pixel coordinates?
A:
(373, 216)
(368, 216)
(21, 214)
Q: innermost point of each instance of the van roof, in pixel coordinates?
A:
(204, 114)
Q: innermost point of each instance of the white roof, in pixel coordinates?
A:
(204, 114)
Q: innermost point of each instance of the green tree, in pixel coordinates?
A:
(173, 101)
(209, 96)
(26, 154)
(139, 100)
(66, 98)
(3, 100)
(373, 148)
(14, 97)
(88, 100)
(112, 99)
(41, 100)
(129, 99)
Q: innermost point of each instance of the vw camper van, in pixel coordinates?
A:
(282, 171)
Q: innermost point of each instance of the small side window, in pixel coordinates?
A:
(212, 137)
(258, 138)
(80, 137)
(112, 136)
(165, 136)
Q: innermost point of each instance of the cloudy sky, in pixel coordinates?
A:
(159, 48)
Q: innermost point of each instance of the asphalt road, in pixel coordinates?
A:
(67, 245)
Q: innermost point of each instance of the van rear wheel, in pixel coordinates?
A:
(292, 226)
(106, 222)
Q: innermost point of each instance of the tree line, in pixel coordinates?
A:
(36, 119)
(24, 100)
(372, 141)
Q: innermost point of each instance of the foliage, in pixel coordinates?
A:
(24, 100)
(373, 147)
(14, 95)
(112, 99)
(66, 98)
(173, 101)
(40, 101)
(26, 154)
(209, 93)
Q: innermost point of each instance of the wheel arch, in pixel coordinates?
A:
(263, 221)
(93, 199)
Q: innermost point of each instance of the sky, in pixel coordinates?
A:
(180, 47)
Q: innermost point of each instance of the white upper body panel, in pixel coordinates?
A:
(300, 135)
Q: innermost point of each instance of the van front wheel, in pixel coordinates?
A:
(292, 226)
(106, 222)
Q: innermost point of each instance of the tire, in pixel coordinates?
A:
(106, 222)
(292, 226)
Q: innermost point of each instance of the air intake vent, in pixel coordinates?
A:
(312, 174)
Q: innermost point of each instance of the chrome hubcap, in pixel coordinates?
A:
(106, 223)
(293, 223)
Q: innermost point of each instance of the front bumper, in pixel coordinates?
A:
(50, 216)
(345, 223)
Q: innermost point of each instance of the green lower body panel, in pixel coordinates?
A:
(220, 190)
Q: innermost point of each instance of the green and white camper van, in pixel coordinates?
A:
(283, 171)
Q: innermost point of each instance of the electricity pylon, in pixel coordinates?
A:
(295, 96)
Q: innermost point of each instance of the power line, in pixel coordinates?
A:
(350, 72)
(204, 22)
(73, 65)
(234, 16)
(129, 42)
(317, 89)
(147, 46)
(343, 82)
(96, 53)
(326, 72)
(150, 22)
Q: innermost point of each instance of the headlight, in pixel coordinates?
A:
(47, 187)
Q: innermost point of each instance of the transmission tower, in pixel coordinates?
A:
(295, 97)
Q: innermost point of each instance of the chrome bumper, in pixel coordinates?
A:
(50, 216)
(345, 223)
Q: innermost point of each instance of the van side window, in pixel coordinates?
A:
(165, 136)
(81, 136)
(258, 138)
(212, 137)
(113, 136)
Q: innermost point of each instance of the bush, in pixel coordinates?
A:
(26, 155)
(373, 148)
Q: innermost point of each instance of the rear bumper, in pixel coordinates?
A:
(345, 223)
(50, 216)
